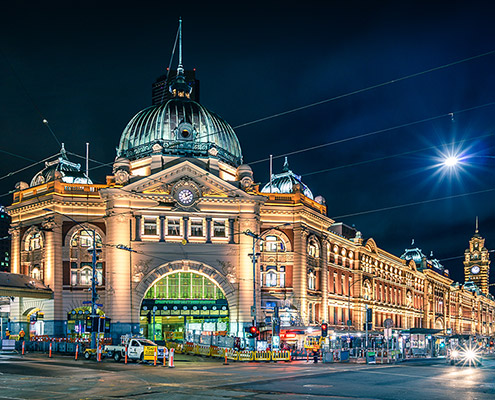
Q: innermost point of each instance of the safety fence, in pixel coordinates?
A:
(230, 354)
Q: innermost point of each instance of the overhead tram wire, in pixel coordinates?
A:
(27, 167)
(375, 132)
(443, 115)
(366, 89)
(29, 97)
(395, 155)
(357, 92)
(412, 204)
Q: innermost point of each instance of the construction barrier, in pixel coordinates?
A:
(262, 355)
(216, 351)
(189, 347)
(282, 355)
(178, 347)
(171, 359)
(232, 355)
(203, 350)
(246, 355)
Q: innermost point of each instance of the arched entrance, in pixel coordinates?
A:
(182, 305)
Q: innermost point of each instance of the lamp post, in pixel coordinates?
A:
(94, 295)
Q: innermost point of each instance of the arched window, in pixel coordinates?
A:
(34, 241)
(311, 281)
(84, 238)
(271, 279)
(273, 243)
(367, 290)
(313, 248)
(36, 273)
(85, 276)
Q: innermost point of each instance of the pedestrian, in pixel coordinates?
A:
(21, 335)
(7, 334)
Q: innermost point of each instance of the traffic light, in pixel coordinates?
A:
(324, 330)
(252, 331)
(369, 315)
(491, 343)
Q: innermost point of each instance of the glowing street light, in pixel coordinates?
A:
(451, 161)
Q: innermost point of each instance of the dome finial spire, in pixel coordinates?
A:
(180, 68)
(286, 165)
(476, 231)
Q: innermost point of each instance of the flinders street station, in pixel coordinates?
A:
(181, 242)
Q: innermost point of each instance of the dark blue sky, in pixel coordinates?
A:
(89, 68)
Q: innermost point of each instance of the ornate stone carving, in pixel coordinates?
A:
(140, 270)
(121, 177)
(48, 224)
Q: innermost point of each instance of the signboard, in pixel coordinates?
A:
(149, 353)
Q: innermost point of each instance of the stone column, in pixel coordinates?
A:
(120, 303)
(185, 224)
(137, 231)
(300, 273)
(15, 250)
(324, 280)
(208, 229)
(231, 231)
(245, 271)
(162, 228)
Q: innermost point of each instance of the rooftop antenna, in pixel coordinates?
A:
(87, 160)
(271, 172)
(180, 69)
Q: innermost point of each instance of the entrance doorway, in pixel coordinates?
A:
(183, 306)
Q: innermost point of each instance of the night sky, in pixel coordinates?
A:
(88, 69)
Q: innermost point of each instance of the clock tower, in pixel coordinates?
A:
(477, 262)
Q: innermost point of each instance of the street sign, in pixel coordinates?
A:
(388, 323)
(253, 311)
(349, 322)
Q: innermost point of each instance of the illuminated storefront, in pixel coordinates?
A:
(183, 304)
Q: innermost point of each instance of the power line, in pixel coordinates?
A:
(365, 89)
(412, 204)
(29, 97)
(395, 155)
(376, 132)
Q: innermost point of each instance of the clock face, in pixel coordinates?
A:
(475, 269)
(185, 197)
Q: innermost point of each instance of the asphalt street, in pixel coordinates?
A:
(35, 376)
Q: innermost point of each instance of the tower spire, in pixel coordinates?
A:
(180, 68)
(476, 231)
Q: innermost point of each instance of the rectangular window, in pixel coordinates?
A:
(173, 226)
(218, 228)
(150, 226)
(197, 228)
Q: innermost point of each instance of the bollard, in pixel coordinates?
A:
(171, 359)
(50, 351)
(154, 358)
(226, 362)
(23, 347)
(125, 357)
(164, 357)
(98, 356)
(77, 350)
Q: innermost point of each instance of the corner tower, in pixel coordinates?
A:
(477, 262)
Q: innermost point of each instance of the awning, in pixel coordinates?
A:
(19, 285)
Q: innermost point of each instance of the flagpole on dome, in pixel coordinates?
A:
(180, 68)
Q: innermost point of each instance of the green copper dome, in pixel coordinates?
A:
(183, 128)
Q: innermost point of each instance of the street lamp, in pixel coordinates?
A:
(94, 295)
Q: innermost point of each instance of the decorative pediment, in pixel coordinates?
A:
(163, 182)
